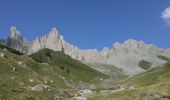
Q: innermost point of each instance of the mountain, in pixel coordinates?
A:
(126, 56)
(129, 54)
(56, 42)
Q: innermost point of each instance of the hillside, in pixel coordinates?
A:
(51, 75)
(151, 85)
(72, 68)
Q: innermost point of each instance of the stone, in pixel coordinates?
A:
(31, 80)
(20, 63)
(45, 82)
(50, 90)
(12, 78)
(120, 87)
(51, 81)
(80, 98)
(2, 55)
(85, 92)
(64, 94)
(39, 87)
(156, 96)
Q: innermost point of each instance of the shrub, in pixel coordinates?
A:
(144, 64)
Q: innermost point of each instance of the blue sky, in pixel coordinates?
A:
(89, 23)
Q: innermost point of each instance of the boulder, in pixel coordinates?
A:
(80, 98)
(20, 63)
(156, 96)
(85, 92)
(2, 55)
(39, 87)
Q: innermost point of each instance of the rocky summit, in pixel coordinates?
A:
(125, 56)
(16, 41)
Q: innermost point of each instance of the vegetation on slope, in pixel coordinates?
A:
(10, 49)
(23, 78)
(144, 64)
(74, 68)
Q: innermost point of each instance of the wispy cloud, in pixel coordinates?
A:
(166, 15)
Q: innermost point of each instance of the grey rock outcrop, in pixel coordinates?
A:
(16, 41)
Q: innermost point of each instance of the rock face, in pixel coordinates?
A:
(125, 55)
(128, 55)
(52, 41)
(56, 42)
(16, 41)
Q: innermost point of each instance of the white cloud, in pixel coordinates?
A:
(166, 15)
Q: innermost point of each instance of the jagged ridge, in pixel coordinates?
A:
(125, 56)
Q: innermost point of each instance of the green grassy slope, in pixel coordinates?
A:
(71, 67)
(61, 74)
(111, 70)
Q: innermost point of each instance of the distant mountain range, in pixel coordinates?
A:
(129, 56)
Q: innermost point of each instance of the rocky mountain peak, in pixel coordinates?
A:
(129, 44)
(54, 29)
(53, 33)
(53, 40)
(14, 33)
(134, 43)
(16, 40)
